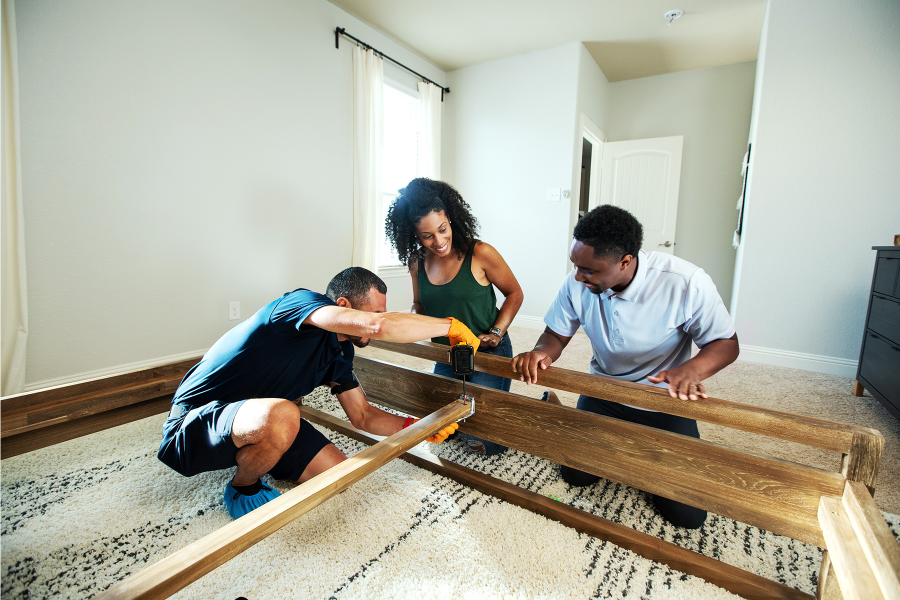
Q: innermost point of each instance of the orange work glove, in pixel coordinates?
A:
(440, 436)
(460, 334)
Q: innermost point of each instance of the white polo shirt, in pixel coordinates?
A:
(648, 327)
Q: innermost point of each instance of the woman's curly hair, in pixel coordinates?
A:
(420, 197)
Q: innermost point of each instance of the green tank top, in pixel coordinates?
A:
(462, 297)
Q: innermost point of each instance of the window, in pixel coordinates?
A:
(399, 163)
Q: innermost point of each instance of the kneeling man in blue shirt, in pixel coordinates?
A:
(234, 408)
(641, 311)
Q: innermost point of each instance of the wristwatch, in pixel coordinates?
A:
(496, 331)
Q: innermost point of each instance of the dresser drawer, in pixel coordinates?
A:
(880, 366)
(886, 268)
(884, 318)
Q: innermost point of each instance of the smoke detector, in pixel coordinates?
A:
(672, 15)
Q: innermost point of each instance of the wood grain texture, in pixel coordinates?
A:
(731, 578)
(828, 588)
(97, 383)
(769, 493)
(40, 408)
(82, 405)
(863, 460)
(818, 433)
(881, 549)
(852, 570)
(42, 437)
(189, 564)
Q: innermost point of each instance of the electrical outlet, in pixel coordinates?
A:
(234, 311)
(553, 194)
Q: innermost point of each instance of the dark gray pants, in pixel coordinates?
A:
(676, 513)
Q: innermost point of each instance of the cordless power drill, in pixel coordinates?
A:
(462, 361)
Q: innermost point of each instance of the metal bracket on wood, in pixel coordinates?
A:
(470, 400)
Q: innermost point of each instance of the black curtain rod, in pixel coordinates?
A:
(340, 31)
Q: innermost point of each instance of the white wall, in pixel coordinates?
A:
(512, 127)
(711, 108)
(592, 101)
(177, 156)
(823, 182)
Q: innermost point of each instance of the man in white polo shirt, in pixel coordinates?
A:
(641, 311)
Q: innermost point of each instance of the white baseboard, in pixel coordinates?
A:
(116, 370)
(843, 367)
(529, 322)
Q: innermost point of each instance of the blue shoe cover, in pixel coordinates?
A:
(239, 505)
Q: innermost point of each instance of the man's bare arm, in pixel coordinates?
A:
(391, 326)
(547, 350)
(364, 416)
(685, 380)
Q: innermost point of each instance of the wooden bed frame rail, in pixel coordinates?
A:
(863, 445)
(832, 510)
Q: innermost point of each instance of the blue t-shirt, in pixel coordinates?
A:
(270, 355)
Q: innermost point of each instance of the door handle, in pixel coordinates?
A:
(667, 244)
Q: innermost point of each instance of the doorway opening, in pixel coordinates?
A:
(584, 201)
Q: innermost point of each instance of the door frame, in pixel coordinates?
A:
(596, 138)
(587, 129)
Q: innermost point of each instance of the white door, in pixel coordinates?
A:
(642, 176)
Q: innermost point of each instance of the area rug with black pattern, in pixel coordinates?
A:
(82, 515)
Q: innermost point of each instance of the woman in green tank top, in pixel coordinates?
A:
(433, 231)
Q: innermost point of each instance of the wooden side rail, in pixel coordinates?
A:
(818, 433)
(770, 493)
(863, 557)
(728, 577)
(29, 411)
(177, 571)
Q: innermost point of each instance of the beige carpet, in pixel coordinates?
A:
(792, 390)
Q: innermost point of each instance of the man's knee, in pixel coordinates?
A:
(266, 420)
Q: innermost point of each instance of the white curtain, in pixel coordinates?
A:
(368, 136)
(429, 130)
(13, 305)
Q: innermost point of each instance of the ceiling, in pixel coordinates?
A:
(627, 38)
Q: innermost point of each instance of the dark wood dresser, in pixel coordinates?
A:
(879, 357)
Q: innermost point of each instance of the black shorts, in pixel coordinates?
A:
(197, 439)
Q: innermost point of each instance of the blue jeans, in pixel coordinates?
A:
(504, 348)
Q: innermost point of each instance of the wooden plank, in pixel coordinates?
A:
(189, 564)
(69, 430)
(733, 579)
(53, 411)
(881, 549)
(862, 461)
(49, 395)
(852, 570)
(770, 493)
(828, 588)
(818, 433)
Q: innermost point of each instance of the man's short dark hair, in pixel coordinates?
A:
(354, 284)
(611, 231)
